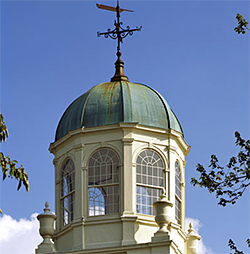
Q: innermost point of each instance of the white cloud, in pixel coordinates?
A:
(97, 210)
(19, 236)
(202, 249)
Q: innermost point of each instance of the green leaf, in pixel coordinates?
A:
(19, 185)
(4, 174)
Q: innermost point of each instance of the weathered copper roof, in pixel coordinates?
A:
(115, 102)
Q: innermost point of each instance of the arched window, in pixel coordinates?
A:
(103, 182)
(67, 191)
(149, 181)
(96, 202)
(177, 193)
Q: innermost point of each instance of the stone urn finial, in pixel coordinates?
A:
(46, 209)
(192, 240)
(162, 216)
(46, 230)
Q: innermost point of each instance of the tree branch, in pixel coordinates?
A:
(230, 185)
(10, 167)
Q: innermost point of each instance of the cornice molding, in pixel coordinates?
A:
(78, 147)
(128, 140)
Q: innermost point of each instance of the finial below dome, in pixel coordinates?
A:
(118, 33)
(119, 74)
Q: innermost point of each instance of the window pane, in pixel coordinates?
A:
(178, 210)
(177, 192)
(138, 169)
(103, 199)
(67, 191)
(67, 178)
(67, 205)
(149, 171)
(145, 197)
(96, 201)
(177, 180)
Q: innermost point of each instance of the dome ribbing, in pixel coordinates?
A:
(116, 102)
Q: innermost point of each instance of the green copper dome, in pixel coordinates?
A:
(115, 102)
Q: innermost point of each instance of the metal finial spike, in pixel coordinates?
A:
(119, 74)
(117, 33)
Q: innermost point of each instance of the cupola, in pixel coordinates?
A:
(117, 148)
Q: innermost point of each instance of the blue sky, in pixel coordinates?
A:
(187, 51)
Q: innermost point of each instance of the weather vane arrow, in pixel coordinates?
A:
(118, 33)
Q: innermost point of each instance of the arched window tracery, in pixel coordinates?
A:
(67, 191)
(178, 199)
(150, 178)
(103, 182)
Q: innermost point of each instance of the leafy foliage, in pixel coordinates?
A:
(229, 184)
(242, 24)
(4, 134)
(232, 246)
(10, 167)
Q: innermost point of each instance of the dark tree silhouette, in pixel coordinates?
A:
(242, 24)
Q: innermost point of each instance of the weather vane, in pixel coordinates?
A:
(118, 33)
